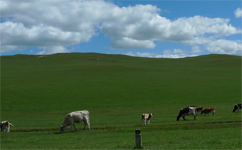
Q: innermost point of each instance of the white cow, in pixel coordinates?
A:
(76, 117)
(146, 118)
(5, 126)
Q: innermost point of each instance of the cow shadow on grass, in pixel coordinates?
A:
(66, 132)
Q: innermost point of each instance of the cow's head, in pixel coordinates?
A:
(235, 108)
(182, 113)
(62, 128)
(150, 115)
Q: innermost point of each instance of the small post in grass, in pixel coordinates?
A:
(138, 138)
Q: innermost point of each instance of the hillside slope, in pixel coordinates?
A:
(80, 71)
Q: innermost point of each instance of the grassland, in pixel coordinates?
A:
(37, 92)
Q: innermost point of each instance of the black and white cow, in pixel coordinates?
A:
(5, 126)
(186, 111)
(237, 107)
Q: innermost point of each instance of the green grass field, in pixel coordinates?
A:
(37, 93)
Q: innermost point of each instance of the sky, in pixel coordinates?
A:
(142, 28)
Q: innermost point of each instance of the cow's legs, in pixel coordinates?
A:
(73, 126)
(195, 117)
(85, 123)
(183, 117)
(143, 121)
(88, 123)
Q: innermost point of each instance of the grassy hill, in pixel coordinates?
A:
(119, 79)
(38, 91)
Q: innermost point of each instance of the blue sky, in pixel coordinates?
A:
(143, 28)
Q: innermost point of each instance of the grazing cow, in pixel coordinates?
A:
(76, 117)
(237, 107)
(208, 110)
(186, 111)
(146, 118)
(5, 126)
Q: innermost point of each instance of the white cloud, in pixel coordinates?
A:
(225, 47)
(128, 43)
(41, 35)
(238, 12)
(10, 48)
(175, 53)
(52, 23)
(199, 25)
(196, 50)
(199, 41)
(155, 27)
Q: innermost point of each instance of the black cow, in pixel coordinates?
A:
(236, 107)
(186, 111)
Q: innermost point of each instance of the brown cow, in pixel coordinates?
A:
(199, 109)
(146, 118)
(208, 110)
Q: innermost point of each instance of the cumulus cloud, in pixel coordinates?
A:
(19, 35)
(53, 23)
(238, 12)
(58, 23)
(225, 47)
(154, 27)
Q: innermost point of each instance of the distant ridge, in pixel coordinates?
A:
(93, 53)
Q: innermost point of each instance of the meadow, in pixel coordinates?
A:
(37, 92)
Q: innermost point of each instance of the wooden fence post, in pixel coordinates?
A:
(138, 138)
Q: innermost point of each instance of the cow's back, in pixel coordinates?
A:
(208, 110)
(79, 116)
(191, 110)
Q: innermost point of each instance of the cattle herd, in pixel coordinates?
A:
(79, 116)
(190, 110)
(193, 110)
